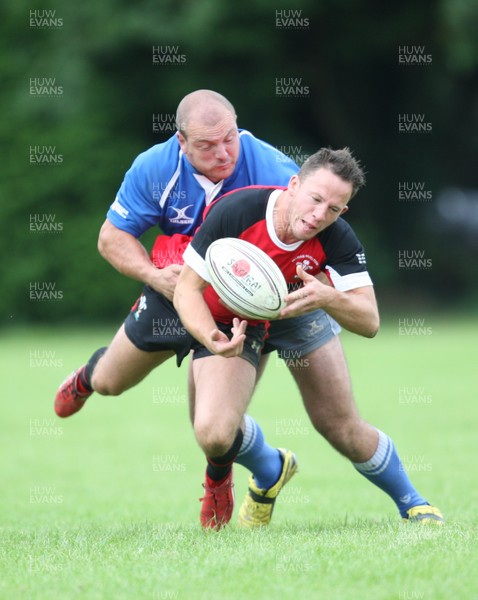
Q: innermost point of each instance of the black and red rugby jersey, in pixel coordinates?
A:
(247, 214)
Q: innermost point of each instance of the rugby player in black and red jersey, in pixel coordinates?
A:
(301, 229)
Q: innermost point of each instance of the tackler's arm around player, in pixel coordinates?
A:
(198, 320)
(128, 256)
(355, 310)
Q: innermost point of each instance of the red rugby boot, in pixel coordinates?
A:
(217, 503)
(69, 399)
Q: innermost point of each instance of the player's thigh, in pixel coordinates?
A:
(241, 369)
(224, 388)
(324, 383)
(124, 365)
(262, 366)
(192, 387)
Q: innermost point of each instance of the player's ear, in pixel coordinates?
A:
(344, 210)
(293, 184)
(182, 142)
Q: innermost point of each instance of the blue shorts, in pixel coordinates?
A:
(299, 336)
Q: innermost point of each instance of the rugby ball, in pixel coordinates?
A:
(246, 279)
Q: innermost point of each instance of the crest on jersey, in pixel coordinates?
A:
(307, 262)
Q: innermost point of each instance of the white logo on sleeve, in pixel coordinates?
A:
(181, 217)
(361, 258)
(121, 210)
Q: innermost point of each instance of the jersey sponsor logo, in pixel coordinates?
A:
(181, 218)
(121, 210)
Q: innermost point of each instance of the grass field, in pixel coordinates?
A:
(105, 505)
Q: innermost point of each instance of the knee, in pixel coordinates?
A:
(213, 439)
(103, 380)
(340, 433)
(353, 438)
(106, 387)
(330, 430)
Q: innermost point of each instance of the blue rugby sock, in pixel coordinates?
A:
(264, 462)
(386, 471)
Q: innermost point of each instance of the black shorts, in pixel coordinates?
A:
(253, 343)
(153, 325)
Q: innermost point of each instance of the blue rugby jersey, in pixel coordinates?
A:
(162, 187)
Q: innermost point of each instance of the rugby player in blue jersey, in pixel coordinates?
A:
(170, 185)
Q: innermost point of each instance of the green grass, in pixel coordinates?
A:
(105, 504)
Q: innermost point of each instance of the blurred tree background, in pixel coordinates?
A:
(79, 87)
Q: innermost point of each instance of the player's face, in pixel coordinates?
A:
(212, 150)
(316, 202)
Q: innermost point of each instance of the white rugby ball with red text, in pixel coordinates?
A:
(246, 279)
